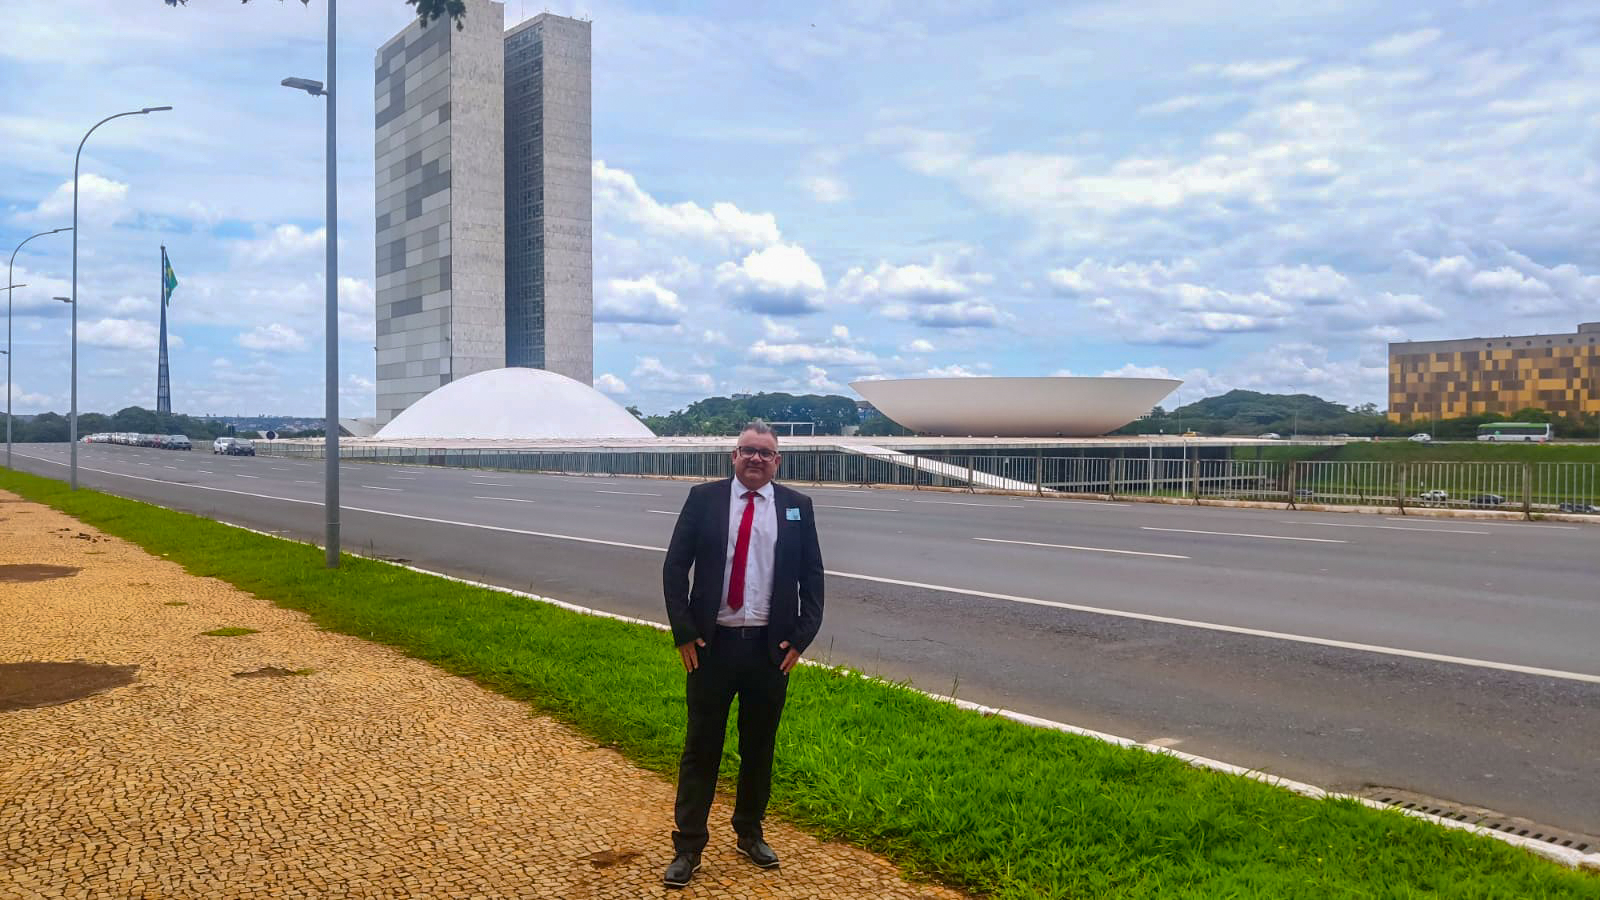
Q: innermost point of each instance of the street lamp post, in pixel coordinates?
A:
(10, 273)
(330, 441)
(73, 431)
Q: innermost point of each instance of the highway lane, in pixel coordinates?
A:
(1505, 592)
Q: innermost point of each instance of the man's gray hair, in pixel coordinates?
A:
(759, 427)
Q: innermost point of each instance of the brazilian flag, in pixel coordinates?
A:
(169, 281)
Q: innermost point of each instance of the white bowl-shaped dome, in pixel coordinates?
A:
(1015, 407)
(517, 404)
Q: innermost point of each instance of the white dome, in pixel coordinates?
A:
(1013, 407)
(517, 404)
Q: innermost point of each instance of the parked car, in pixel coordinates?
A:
(1421, 438)
(241, 447)
(1272, 436)
(1483, 501)
(1583, 508)
(221, 444)
(179, 442)
(1304, 493)
(1435, 496)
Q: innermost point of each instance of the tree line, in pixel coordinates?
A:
(54, 428)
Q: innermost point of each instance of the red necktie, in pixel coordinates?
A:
(741, 552)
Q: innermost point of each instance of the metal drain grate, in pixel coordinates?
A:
(1485, 818)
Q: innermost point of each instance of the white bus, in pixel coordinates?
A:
(1538, 432)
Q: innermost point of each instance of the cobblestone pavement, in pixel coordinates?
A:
(373, 775)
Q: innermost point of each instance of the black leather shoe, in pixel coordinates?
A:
(759, 852)
(683, 867)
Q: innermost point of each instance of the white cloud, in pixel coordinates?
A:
(617, 192)
(659, 377)
(1258, 70)
(1404, 44)
(826, 188)
(951, 371)
(610, 384)
(124, 334)
(101, 201)
(786, 354)
(1186, 102)
(284, 243)
(357, 314)
(841, 333)
(817, 379)
(918, 346)
(781, 280)
(776, 331)
(1157, 303)
(956, 314)
(1320, 284)
(910, 283)
(26, 400)
(642, 301)
(275, 336)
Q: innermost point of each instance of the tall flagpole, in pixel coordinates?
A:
(163, 383)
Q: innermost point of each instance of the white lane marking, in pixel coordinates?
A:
(941, 588)
(403, 477)
(506, 499)
(1477, 523)
(1386, 527)
(966, 503)
(630, 493)
(1264, 537)
(278, 468)
(1236, 629)
(237, 475)
(206, 472)
(861, 508)
(490, 483)
(297, 481)
(662, 512)
(373, 487)
(173, 468)
(144, 464)
(1091, 549)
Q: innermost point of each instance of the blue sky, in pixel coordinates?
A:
(793, 197)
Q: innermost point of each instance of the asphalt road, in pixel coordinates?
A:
(1456, 658)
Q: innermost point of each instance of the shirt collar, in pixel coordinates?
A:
(739, 491)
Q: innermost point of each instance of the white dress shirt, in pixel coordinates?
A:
(758, 559)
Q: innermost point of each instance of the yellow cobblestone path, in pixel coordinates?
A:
(374, 775)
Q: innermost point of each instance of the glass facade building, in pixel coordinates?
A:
(549, 197)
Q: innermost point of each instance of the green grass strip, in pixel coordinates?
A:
(973, 800)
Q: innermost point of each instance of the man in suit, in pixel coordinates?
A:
(754, 607)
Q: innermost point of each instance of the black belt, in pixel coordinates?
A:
(742, 632)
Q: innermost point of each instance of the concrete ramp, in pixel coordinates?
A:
(934, 467)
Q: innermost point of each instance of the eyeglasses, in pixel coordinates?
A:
(763, 452)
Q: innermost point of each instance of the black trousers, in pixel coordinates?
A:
(735, 662)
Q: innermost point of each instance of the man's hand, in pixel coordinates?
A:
(790, 659)
(691, 659)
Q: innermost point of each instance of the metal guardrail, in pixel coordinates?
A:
(1528, 488)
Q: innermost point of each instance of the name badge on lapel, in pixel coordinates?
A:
(792, 514)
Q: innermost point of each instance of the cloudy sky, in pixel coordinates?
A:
(795, 196)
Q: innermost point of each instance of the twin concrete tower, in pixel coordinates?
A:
(484, 202)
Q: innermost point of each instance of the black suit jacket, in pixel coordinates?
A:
(700, 541)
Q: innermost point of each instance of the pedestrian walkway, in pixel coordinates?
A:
(294, 762)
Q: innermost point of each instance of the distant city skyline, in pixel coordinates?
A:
(789, 198)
